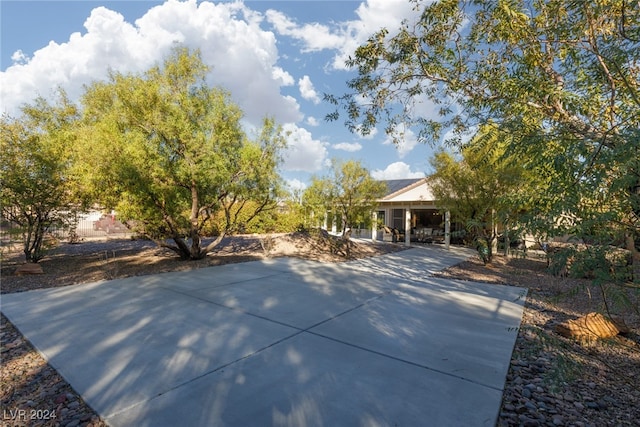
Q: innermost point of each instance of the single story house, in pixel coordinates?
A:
(409, 205)
(409, 212)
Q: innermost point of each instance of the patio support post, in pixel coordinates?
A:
(374, 226)
(407, 227)
(334, 226)
(494, 231)
(447, 229)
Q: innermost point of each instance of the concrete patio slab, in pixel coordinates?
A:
(222, 275)
(282, 342)
(297, 299)
(311, 381)
(123, 354)
(415, 264)
(430, 327)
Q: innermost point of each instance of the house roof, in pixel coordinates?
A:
(397, 186)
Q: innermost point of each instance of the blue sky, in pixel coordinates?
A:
(276, 57)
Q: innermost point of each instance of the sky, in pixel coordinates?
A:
(277, 58)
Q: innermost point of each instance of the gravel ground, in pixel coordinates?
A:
(552, 381)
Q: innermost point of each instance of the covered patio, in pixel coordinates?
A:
(409, 213)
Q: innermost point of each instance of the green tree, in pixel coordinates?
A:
(37, 190)
(168, 151)
(483, 187)
(317, 200)
(349, 190)
(562, 76)
(292, 214)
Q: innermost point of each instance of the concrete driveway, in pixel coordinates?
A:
(283, 342)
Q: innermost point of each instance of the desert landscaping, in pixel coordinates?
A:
(552, 380)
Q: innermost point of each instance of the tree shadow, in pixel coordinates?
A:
(146, 337)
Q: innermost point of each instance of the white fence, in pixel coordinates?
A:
(89, 226)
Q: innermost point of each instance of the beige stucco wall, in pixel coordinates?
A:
(420, 193)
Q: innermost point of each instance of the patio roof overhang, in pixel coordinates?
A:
(408, 204)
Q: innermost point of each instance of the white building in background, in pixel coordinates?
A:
(409, 212)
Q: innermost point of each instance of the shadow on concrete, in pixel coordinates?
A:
(282, 342)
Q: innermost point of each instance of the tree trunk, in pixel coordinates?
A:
(195, 252)
(181, 248)
(33, 238)
(213, 244)
(196, 245)
(507, 241)
(493, 240)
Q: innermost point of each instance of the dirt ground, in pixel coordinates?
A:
(104, 260)
(552, 381)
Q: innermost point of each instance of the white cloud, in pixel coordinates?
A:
(397, 170)
(303, 153)
(74, 63)
(281, 75)
(307, 90)
(19, 57)
(314, 36)
(407, 140)
(346, 36)
(312, 121)
(370, 135)
(296, 185)
(373, 15)
(348, 146)
(242, 55)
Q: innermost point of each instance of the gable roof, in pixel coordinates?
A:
(397, 186)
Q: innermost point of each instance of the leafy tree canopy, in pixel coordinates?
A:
(482, 187)
(36, 187)
(561, 76)
(169, 151)
(349, 189)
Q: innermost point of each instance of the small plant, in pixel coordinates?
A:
(608, 268)
(483, 250)
(111, 265)
(268, 244)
